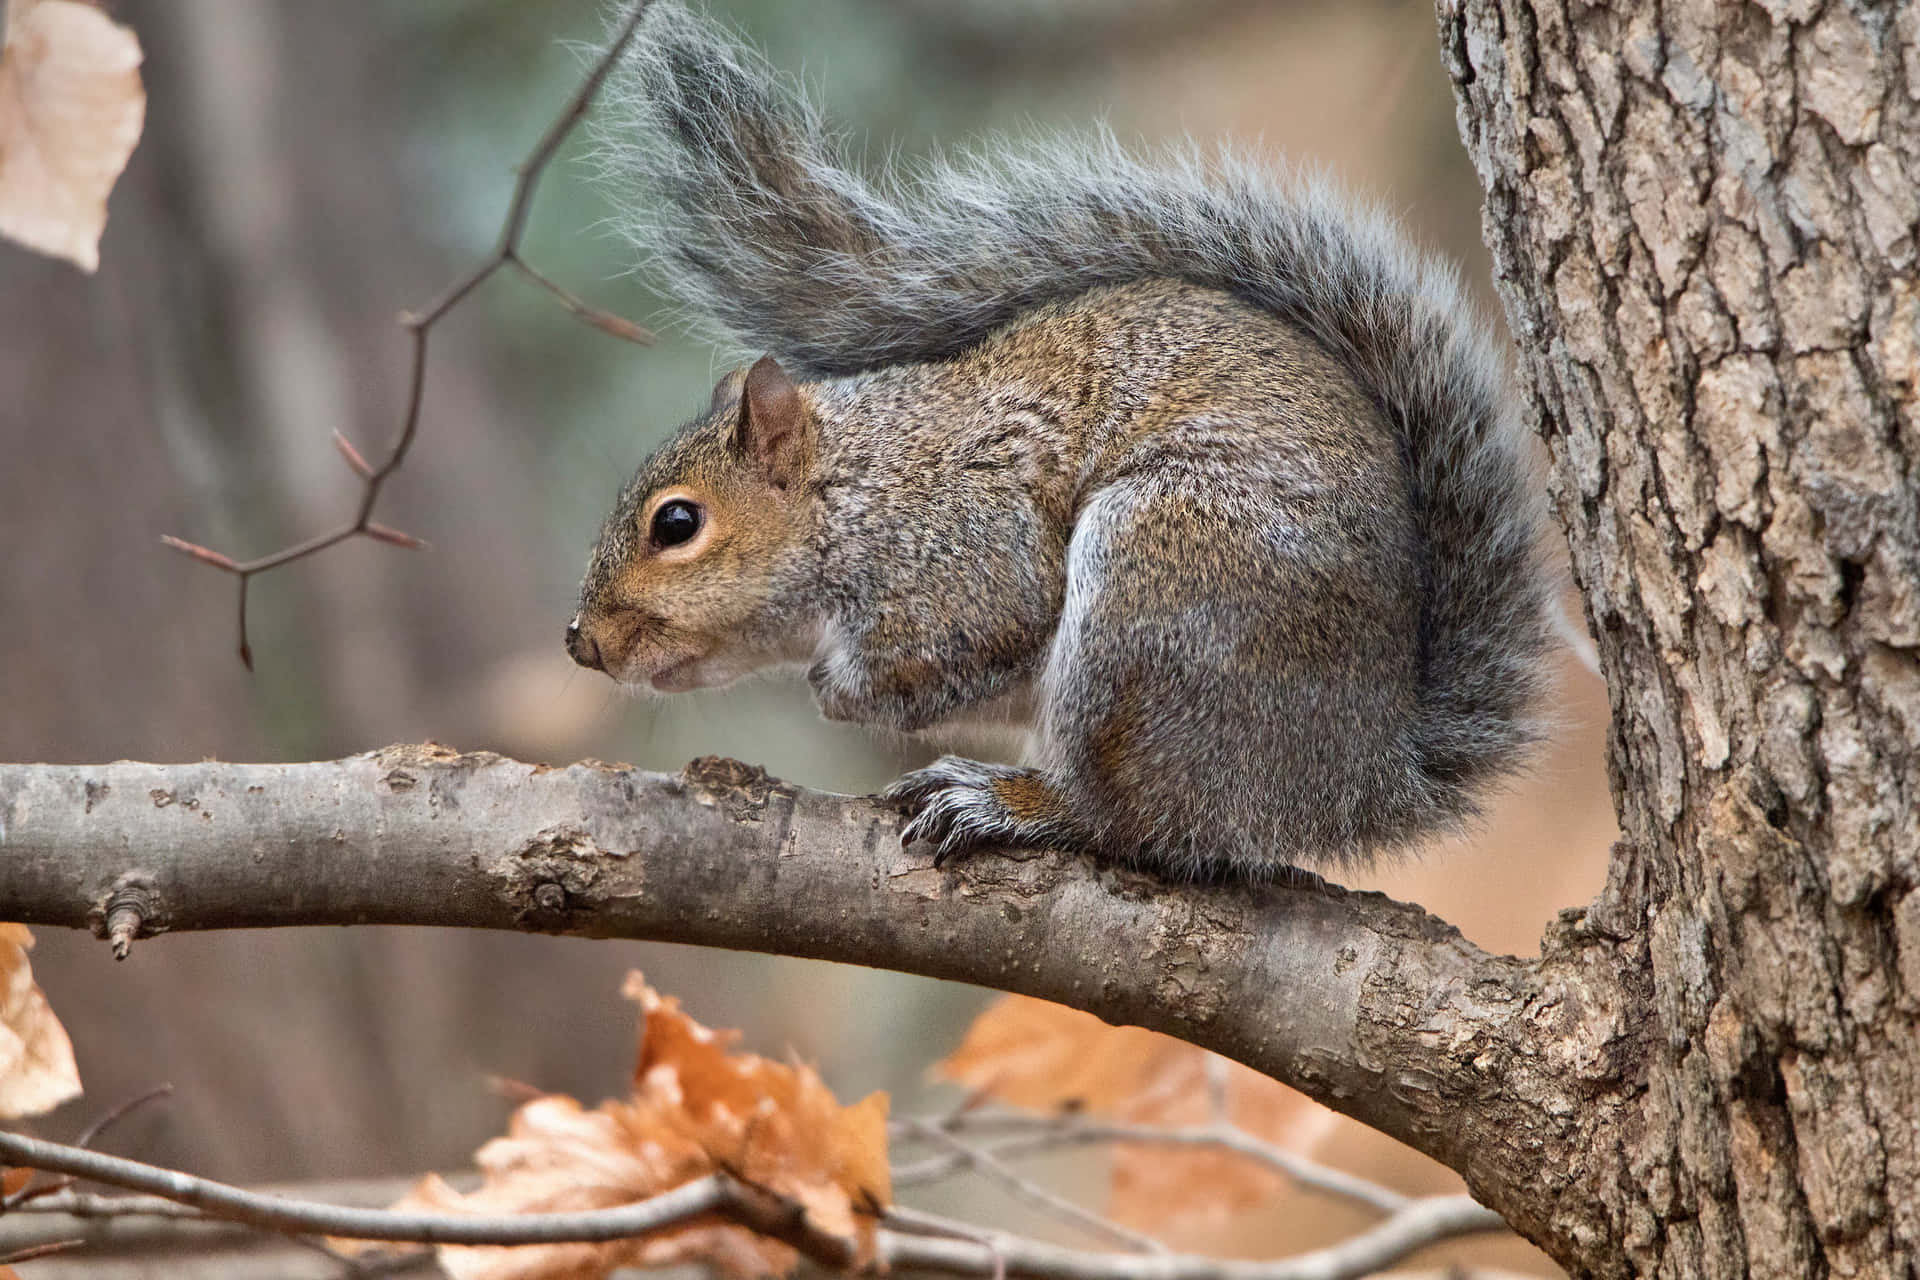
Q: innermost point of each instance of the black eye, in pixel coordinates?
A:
(675, 522)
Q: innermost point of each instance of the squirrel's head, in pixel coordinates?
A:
(702, 572)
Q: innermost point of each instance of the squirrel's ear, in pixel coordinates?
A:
(775, 428)
(727, 391)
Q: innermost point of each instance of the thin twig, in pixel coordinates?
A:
(1026, 1189)
(1421, 1223)
(989, 1253)
(307, 1218)
(40, 1251)
(749, 1206)
(605, 321)
(88, 1204)
(87, 1137)
(997, 1254)
(91, 1134)
(1035, 1134)
(506, 250)
(921, 1223)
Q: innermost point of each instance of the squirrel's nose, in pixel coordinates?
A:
(581, 647)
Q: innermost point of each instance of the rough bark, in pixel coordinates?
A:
(1702, 219)
(1372, 1006)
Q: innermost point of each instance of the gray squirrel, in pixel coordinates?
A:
(1208, 480)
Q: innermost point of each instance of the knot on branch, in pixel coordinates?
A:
(741, 789)
(402, 757)
(131, 911)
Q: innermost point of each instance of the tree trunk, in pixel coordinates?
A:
(1702, 219)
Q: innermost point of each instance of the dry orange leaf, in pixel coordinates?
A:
(37, 1072)
(1046, 1057)
(698, 1106)
(71, 110)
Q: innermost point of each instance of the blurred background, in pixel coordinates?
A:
(307, 172)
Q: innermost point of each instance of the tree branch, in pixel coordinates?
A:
(1369, 1005)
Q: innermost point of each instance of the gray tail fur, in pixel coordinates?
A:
(751, 213)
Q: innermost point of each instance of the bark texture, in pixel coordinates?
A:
(1702, 216)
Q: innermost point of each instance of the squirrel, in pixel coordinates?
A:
(1206, 478)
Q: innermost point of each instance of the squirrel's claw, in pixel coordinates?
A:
(954, 808)
(957, 807)
(954, 805)
(913, 792)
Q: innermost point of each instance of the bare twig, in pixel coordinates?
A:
(65, 1212)
(1422, 1223)
(92, 1132)
(88, 1204)
(310, 1218)
(605, 321)
(46, 1250)
(920, 1223)
(981, 1252)
(142, 1226)
(718, 1193)
(1035, 1134)
(506, 250)
(86, 1139)
(1033, 1193)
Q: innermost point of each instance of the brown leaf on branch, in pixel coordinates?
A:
(71, 110)
(698, 1107)
(1046, 1057)
(37, 1071)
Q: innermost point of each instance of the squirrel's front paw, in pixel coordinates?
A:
(960, 805)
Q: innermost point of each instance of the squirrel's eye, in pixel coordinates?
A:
(675, 522)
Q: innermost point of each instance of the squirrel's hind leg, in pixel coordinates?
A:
(960, 805)
(1227, 664)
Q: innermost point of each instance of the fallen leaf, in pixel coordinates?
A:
(14, 1181)
(698, 1107)
(71, 110)
(37, 1071)
(1046, 1057)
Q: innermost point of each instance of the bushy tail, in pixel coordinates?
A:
(750, 211)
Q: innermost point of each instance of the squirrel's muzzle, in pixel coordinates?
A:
(582, 649)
